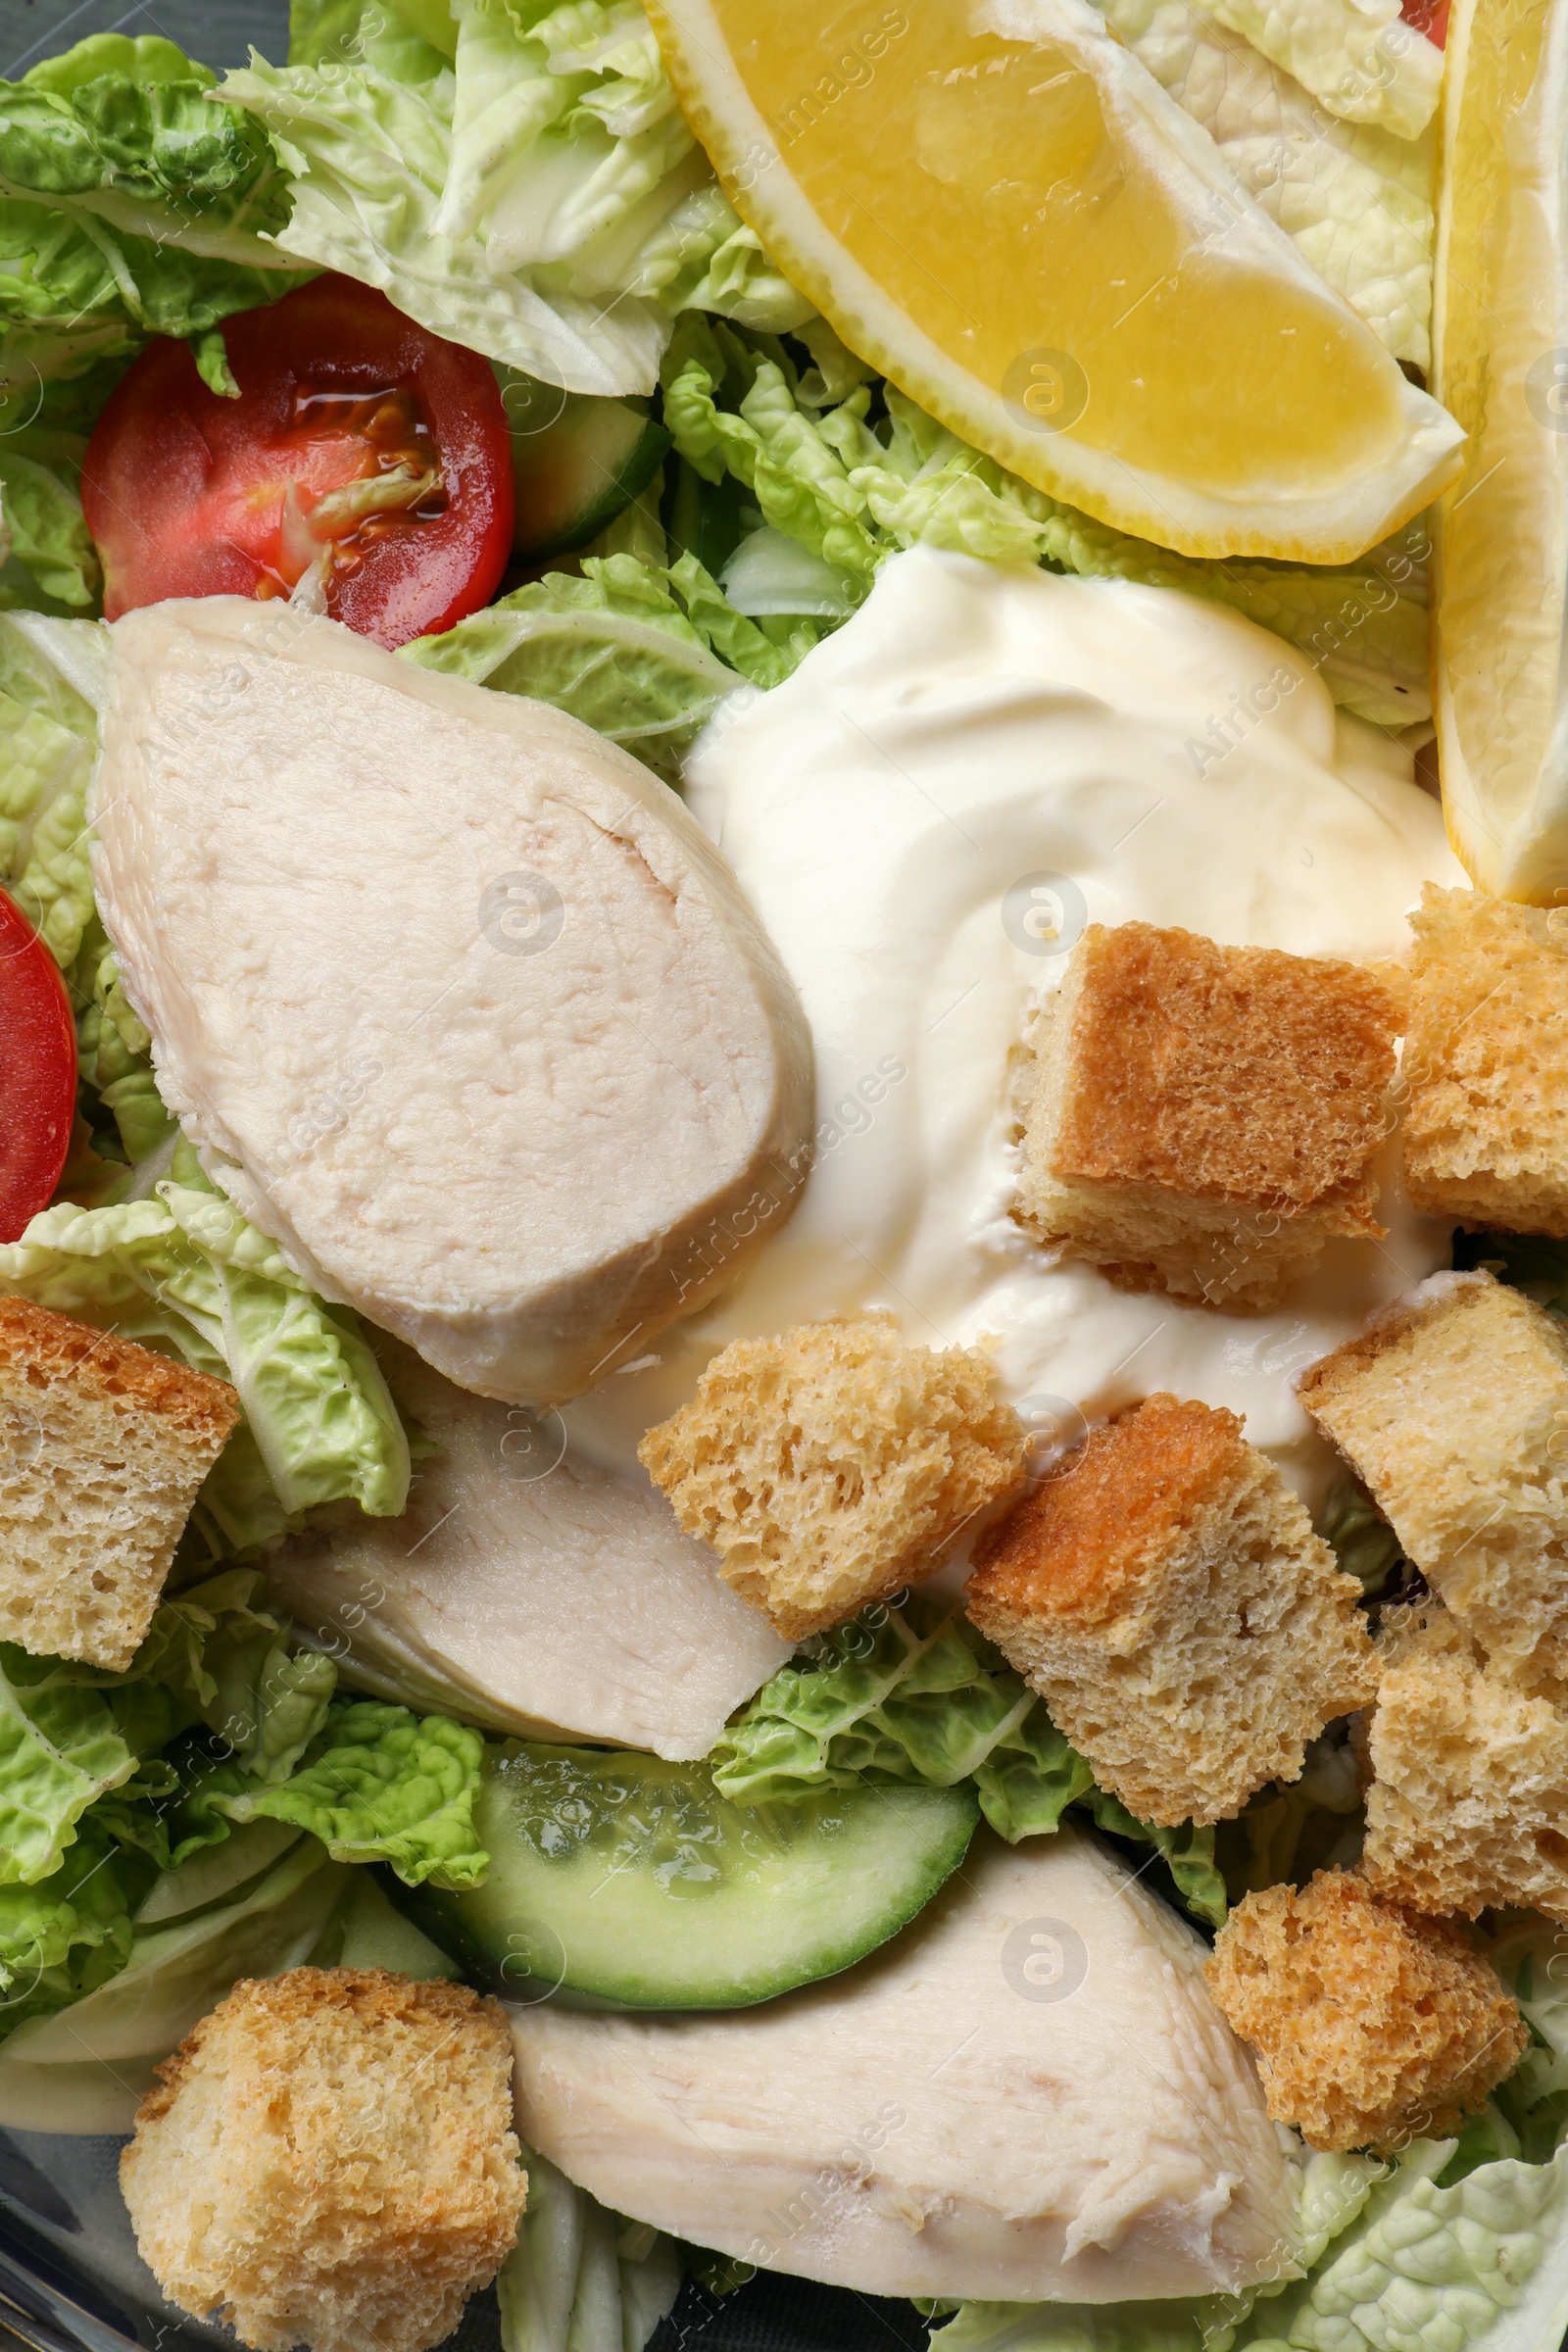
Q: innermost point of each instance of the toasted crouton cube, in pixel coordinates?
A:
(1468, 1807)
(1485, 1060)
(103, 1446)
(1203, 1118)
(329, 2161)
(1371, 2026)
(833, 1464)
(1164, 1592)
(1452, 1408)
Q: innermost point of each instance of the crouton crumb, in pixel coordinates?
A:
(1452, 1406)
(329, 2161)
(1372, 2027)
(834, 1464)
(1485, 1126)
(1468, 1807)
(103, 1446)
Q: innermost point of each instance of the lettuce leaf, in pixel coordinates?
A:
(615, 647)
(66, 1933)
(370, 157)
(1355, 57)
(184, 1271)
(1481, 2263)
(528, 186)
(1527, 1954)
(230, 1662)
(48, 741)
(1355, 199)
(78, 1744)
(122, 133)
(177, 1969)
(580, 2279)
(379, 1785)
(854, 495)
(131, 205)
(61, 1749)
(921, 1695)
(45, 530)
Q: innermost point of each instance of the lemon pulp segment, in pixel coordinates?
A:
(1000, 208)
(1501, 356)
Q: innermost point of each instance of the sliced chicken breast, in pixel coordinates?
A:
(1027, 2096)
(526, 1589)
(454, 999)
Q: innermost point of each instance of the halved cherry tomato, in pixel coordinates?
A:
(359, 444)
(37, 1071)
(1430, 16)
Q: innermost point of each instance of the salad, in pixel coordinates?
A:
(784, 1146)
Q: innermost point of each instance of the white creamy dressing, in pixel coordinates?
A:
(1102, 752)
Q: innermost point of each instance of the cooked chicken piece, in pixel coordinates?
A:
(527, 1588)
(1028, 2095)
(456, 999)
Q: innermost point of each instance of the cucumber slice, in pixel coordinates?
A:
(577, 461)
(617, 1880)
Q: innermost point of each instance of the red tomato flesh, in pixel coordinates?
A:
(359, 444)
(37, 1072)
(1430, 16)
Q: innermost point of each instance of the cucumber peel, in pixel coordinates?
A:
(576, 471)
(621, 1881)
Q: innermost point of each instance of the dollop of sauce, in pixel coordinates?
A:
(925, 815)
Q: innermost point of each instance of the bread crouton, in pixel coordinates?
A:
(103, 1446)
(1452, 1406)
(1163, 1590)
(832, 1465)
(1468, 1807)
(329, 2161)
(1202, 1118)
(1372, 2027)
(1486, 1061)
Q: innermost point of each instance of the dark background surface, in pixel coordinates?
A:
(218, 31)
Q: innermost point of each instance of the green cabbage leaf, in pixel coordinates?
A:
(182, 1271)
(131, 205)
(520, 180)
(581, 2277)
(643, 652)
(379, 1785)
(853, 493)
(919, 1695)
(51, 674)
(119, 135)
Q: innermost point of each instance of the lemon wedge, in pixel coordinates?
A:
(1501, 356)
(1000, 208)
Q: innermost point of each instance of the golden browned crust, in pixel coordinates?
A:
(53, 1346)
(1164, 1592)
(297, 2001)
(1371, 2026)
(1082, 1541)
(1486, 1125)
(1227, 1074)
(329, 2160)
